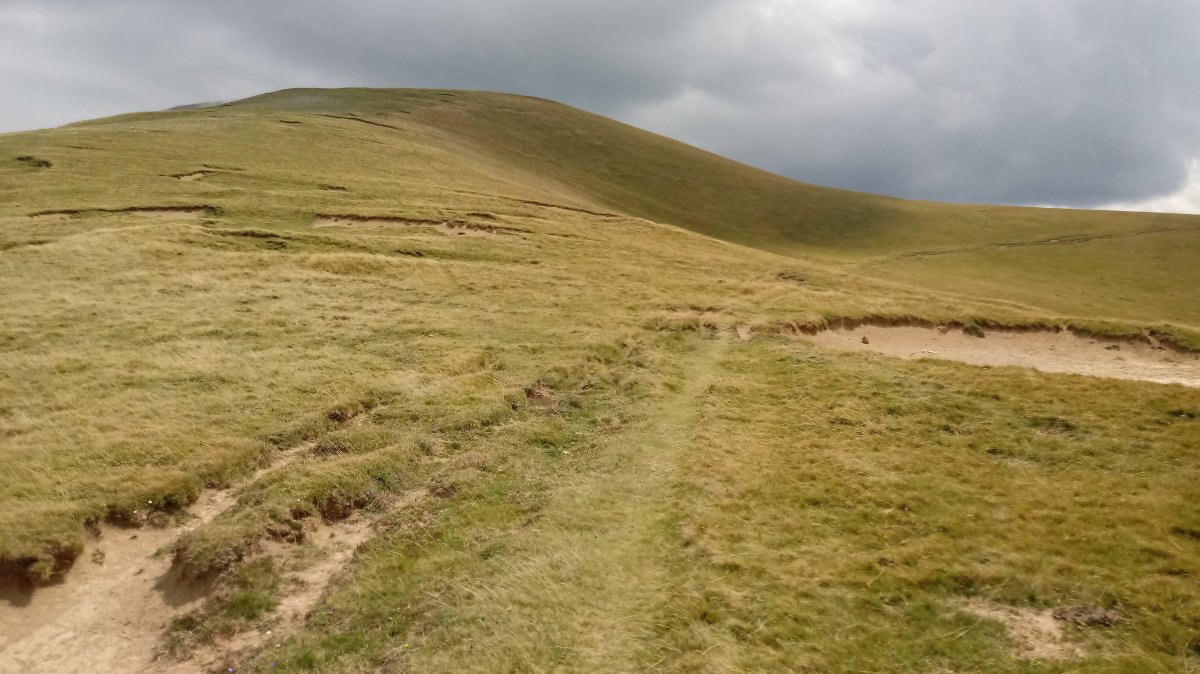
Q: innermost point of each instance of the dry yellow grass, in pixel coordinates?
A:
(623, 484)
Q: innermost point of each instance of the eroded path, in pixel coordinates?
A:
(108, 613)
(1046, 351)
(586, 587)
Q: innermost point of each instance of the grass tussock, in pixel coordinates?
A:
(240, 603)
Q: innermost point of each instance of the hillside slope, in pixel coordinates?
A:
(555, 153)
(347, 381)
(643, 174)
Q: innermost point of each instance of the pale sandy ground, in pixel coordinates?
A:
(1034, 635)
(108, 613)
(1045, 351)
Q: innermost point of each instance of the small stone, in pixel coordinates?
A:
(865, 340)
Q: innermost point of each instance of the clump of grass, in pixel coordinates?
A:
(314, 425)
(973, 329)
(354, 441)
(249, 594)
(331, 488)
(34, 162)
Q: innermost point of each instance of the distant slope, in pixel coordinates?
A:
(640, 173)
(455, 151)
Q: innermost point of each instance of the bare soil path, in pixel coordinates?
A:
(1045, 351)
(108, 613)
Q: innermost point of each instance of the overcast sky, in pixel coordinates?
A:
(1090, 103)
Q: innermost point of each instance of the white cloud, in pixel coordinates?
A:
(1184, 200)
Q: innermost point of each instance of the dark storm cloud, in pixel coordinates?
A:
(1076, 102)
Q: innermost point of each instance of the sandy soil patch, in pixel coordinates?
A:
(1045, 351)
(190, 177)
(109, 612)
(1035, 635)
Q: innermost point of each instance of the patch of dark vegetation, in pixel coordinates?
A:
(34, 162)
(696, 308)
(333, 188)
(267, 240)
(1053, 425)
(1165, 338)
(24, 574)
(1187, 532)
(339, 506)
(682, 323)
(973, 329)
(1089, 616)
(235, 243)
(575, 209)
(353, 118)
(166, 210)
(10, 245)
(254, 240)
(245, 233)
(961, 583)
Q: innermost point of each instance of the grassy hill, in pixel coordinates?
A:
(549, 360)
(545, 150)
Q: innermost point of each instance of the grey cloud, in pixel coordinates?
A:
(1077, 102)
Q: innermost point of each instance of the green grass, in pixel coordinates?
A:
(622, 484)
(1122, 278)
(838, 510)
